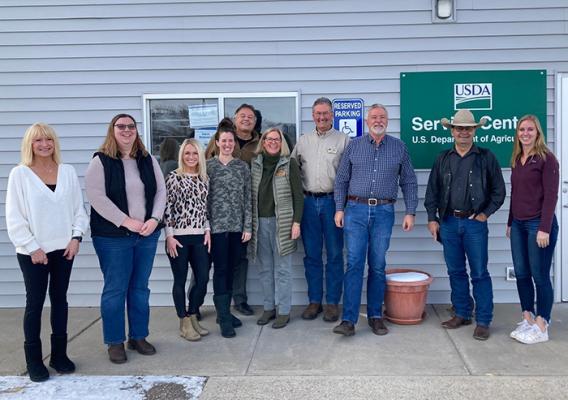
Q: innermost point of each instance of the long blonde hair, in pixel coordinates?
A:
(37, 130)
(284, 149)
(110, 147)
(539, 148)
(201, 166)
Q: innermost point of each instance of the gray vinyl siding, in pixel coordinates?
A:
(76, 63)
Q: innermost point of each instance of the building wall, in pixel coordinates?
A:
(74, 64)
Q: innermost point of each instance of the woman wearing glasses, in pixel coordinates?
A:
(229, 209)
(45, 219)
(126, 189)
(278, 203)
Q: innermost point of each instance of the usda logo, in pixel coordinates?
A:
(473, 96)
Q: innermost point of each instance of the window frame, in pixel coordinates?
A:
(221, 96)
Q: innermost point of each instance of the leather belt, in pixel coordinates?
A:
(461, 214)
(370, 201)
(318, 194)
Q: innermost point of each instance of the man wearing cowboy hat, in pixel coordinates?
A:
(465, 187)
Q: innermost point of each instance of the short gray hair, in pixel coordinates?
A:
(322, 100)
(377, 105)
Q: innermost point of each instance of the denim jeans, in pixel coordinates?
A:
(318, 225)
(37, 278)
(194, 253)
(275, 271)
(126, 263)
(461, 238)
(533, 263)
(368, 231)
(226, 252)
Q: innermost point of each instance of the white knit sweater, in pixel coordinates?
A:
(37, 217)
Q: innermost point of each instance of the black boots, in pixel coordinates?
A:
(224, 317)
(59, 360)
(34, 362)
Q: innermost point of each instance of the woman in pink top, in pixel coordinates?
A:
(532, 227)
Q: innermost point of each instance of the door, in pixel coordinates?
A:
(561, 128)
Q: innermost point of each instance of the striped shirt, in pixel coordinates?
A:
(374, 171)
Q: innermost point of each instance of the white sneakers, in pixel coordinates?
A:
(529, 334)
(521, 327)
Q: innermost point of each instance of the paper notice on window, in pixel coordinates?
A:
(204, 135)
(203, 115)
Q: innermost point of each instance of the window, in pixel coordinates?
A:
(180, 116)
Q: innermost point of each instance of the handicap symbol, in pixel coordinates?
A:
(346, 129)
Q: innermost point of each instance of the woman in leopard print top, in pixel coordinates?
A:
(188, 239)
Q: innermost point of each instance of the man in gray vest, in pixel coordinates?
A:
(318, 154)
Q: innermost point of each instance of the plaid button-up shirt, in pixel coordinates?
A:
(373, 171)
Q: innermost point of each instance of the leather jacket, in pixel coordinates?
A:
(487, 185)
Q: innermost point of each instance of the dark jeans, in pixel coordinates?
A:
(318, 228)
(468, 238)
(226, 250)
(240, 277)
(533, 263)
(194, 253)
(37, 277)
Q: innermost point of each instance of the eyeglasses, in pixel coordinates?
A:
(272, 140)
(464, 128)
(122, 127)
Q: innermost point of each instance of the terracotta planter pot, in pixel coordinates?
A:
(405, 301)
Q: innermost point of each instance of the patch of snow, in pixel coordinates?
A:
(77, 387)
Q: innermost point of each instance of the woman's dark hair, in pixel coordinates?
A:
(168, 149)
(226, 125)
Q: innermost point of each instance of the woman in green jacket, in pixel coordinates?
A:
(278, 203)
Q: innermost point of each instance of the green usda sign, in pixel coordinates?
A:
(502, 97)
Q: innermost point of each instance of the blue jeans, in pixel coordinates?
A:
(368, 231)
(461, 238)
(533, 263)
(318, 225)
(126, 263)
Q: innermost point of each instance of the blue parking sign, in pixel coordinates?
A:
(348, 116)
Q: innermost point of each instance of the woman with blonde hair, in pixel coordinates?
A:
(46, 220)
(188, 236)
(532, 227)
(278, 204)
(126, 189)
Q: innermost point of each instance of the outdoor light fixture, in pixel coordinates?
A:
(443, 10)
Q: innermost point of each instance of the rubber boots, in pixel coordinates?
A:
(223, 308)
(59, 360)
(34, 362)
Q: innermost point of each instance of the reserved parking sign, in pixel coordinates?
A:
(348, 116)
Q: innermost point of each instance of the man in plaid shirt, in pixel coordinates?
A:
(366, 188)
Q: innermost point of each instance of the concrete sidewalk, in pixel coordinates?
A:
(307, 361)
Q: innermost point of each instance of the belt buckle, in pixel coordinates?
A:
(372, 202)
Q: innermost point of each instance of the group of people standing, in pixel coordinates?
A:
(248, 196)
